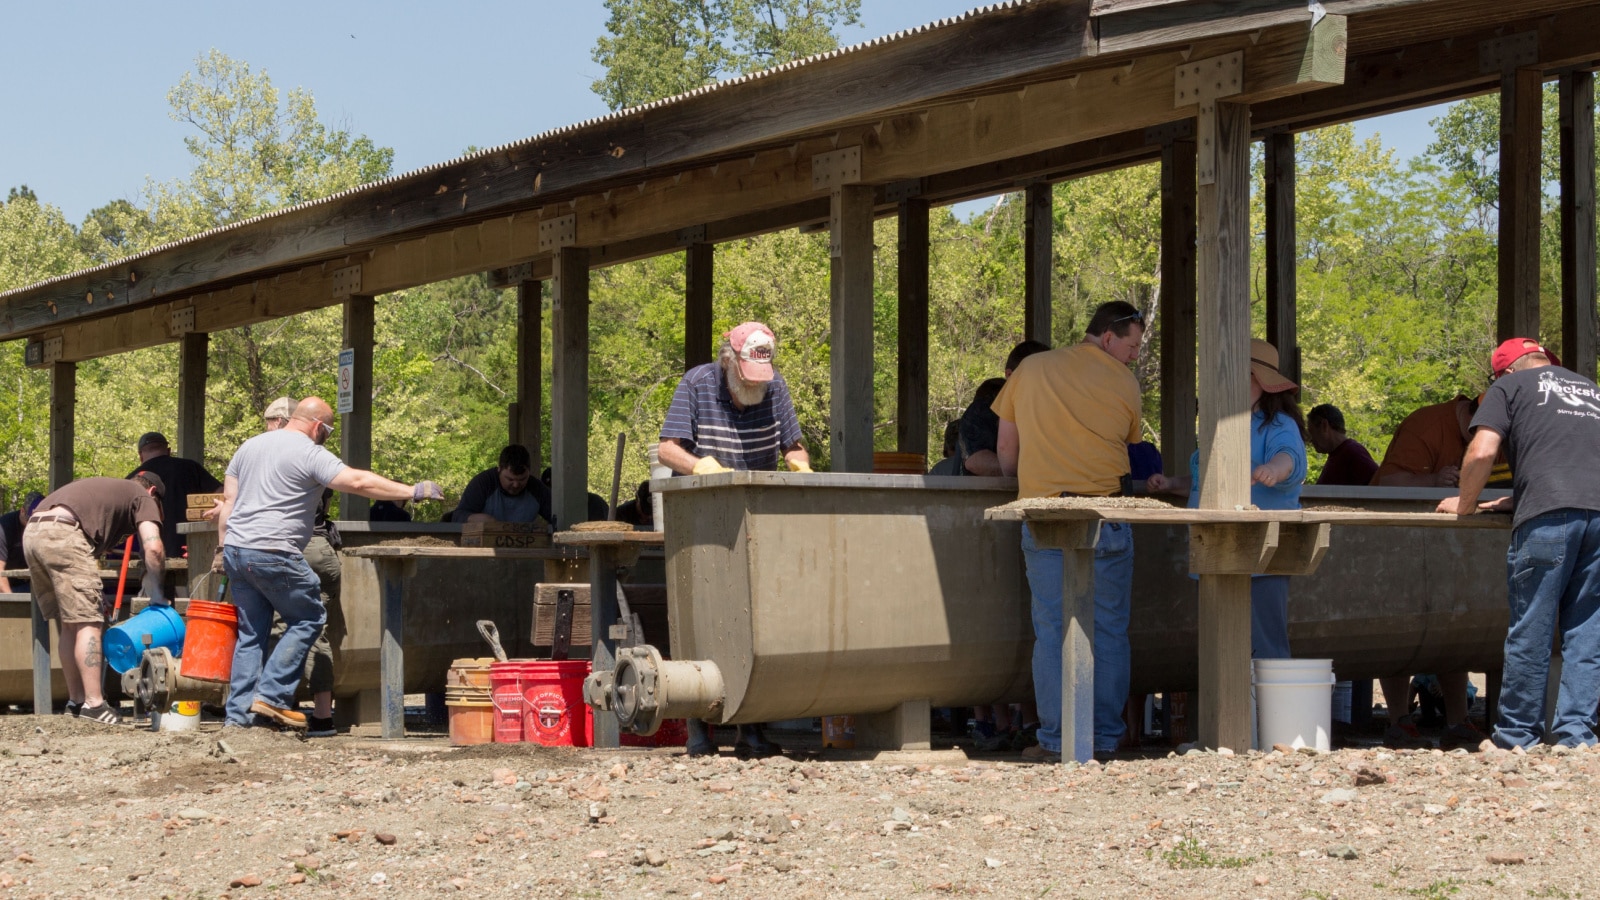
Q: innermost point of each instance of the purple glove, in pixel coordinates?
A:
(427, 490)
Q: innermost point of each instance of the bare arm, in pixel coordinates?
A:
(1168, 484)
(672, 454)
(797, 458)
(5, 585)
(1009, 448)
(1273, 471)
(155, 561)
(984, 462)
(1475, 471)
(370, 485)
(230, 493)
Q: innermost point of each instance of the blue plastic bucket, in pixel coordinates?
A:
(124, 642)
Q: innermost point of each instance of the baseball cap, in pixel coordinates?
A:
(152, 439)
(754, 344)
(154, 479)
(1264, 365)
(281, 408)
(1514, 349)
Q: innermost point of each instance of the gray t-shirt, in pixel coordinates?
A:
(281, 475)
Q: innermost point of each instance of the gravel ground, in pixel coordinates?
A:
(97, 812)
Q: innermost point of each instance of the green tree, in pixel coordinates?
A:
(660, 48)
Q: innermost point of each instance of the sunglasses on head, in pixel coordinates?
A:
(1136, 317)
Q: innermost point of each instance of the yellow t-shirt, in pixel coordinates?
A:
(1076, 410)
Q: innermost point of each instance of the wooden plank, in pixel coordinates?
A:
(699, 344)
(850, 316)
(604, 612)
(1578, 315)
(356, 429)
(1282, 253)
(609, 538)
(1112, 7)
(1224, 619)
(192, 355)
(392, 577)
(530, 371)
(1241, 549)
(569, 394)
(911, 419)
(1038, 254)
(1223, 264)
(1179, 410)
(1521, 196)
(1300, 549)
(63, 412)
(42, 695)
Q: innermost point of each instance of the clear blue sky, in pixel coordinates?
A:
(85, 111)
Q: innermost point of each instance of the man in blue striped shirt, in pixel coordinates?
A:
(734, 414)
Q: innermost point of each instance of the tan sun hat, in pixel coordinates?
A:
(1264, 366)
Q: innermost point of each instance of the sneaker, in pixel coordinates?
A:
(1037, 753)
(1025, 737)
(290, 717)
(1403, 735)
(1463, 735)
(71, 709)
(992, 743)
(320, 727)
(103, 714)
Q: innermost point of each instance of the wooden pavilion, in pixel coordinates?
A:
(1009, 97)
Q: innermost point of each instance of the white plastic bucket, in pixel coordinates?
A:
(1294, 702)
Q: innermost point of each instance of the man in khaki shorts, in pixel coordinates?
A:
(68, 533)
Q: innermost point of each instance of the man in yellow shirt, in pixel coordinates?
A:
(1067, 417)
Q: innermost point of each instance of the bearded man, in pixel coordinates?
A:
(734, 414)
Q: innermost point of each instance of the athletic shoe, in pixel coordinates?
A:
(998, 741)
(290, 717)
(1025, 737)
(1463, 735)
(1403, 735)
(103, 714)
(71, 709)
(320, 727)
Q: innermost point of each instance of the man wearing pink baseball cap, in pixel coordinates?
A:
(1549, 421)
(734, 414)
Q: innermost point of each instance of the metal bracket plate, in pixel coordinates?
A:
(181, 321)
(695, 235)
(346, 281)
(1201, 83)
(908, 189)
(1505, 54)
(562, 231)
(830, 170)
(52, 350)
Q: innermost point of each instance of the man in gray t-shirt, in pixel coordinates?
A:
(270, 496)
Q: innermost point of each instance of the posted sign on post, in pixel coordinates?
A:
(347, 381)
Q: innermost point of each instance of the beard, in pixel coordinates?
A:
(745, 393)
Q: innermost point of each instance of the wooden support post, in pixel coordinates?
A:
(1076, 540)
(1281, 253)
(392, 575)
(63, 411)
(1177, 313)
(604, 612)
(1578, 325)
(698, 342)
(1521, 196)
(529, 430)
(912, 415)
(359, 316)
(42, 694)
(850, 393)
(1038, 260)
(569, 396)
(192, 353)
(1223, 263)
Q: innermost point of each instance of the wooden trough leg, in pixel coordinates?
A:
(604, 612)
(1076, 540)
(41, 662)
(392, 575)
(1225, 661)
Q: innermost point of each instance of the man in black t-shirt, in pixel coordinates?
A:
(182, 478)
(1549, 421)
(12, 524)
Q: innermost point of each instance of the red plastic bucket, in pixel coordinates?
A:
(505, 691)
(553, 711)
(672, 733)
(212, 630)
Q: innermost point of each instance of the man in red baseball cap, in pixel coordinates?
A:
(1548, 418)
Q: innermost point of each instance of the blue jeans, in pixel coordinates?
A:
(1553, 575)
(1113, 596)
(1269, 617)
(262, 581)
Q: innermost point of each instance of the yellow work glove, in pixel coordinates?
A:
(799, 465)
(708, 465)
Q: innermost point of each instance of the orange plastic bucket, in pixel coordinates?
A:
(470, 723)
(212, 631)
(553, 711)
(505, 691)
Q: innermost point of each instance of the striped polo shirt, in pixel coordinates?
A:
(704, 418)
